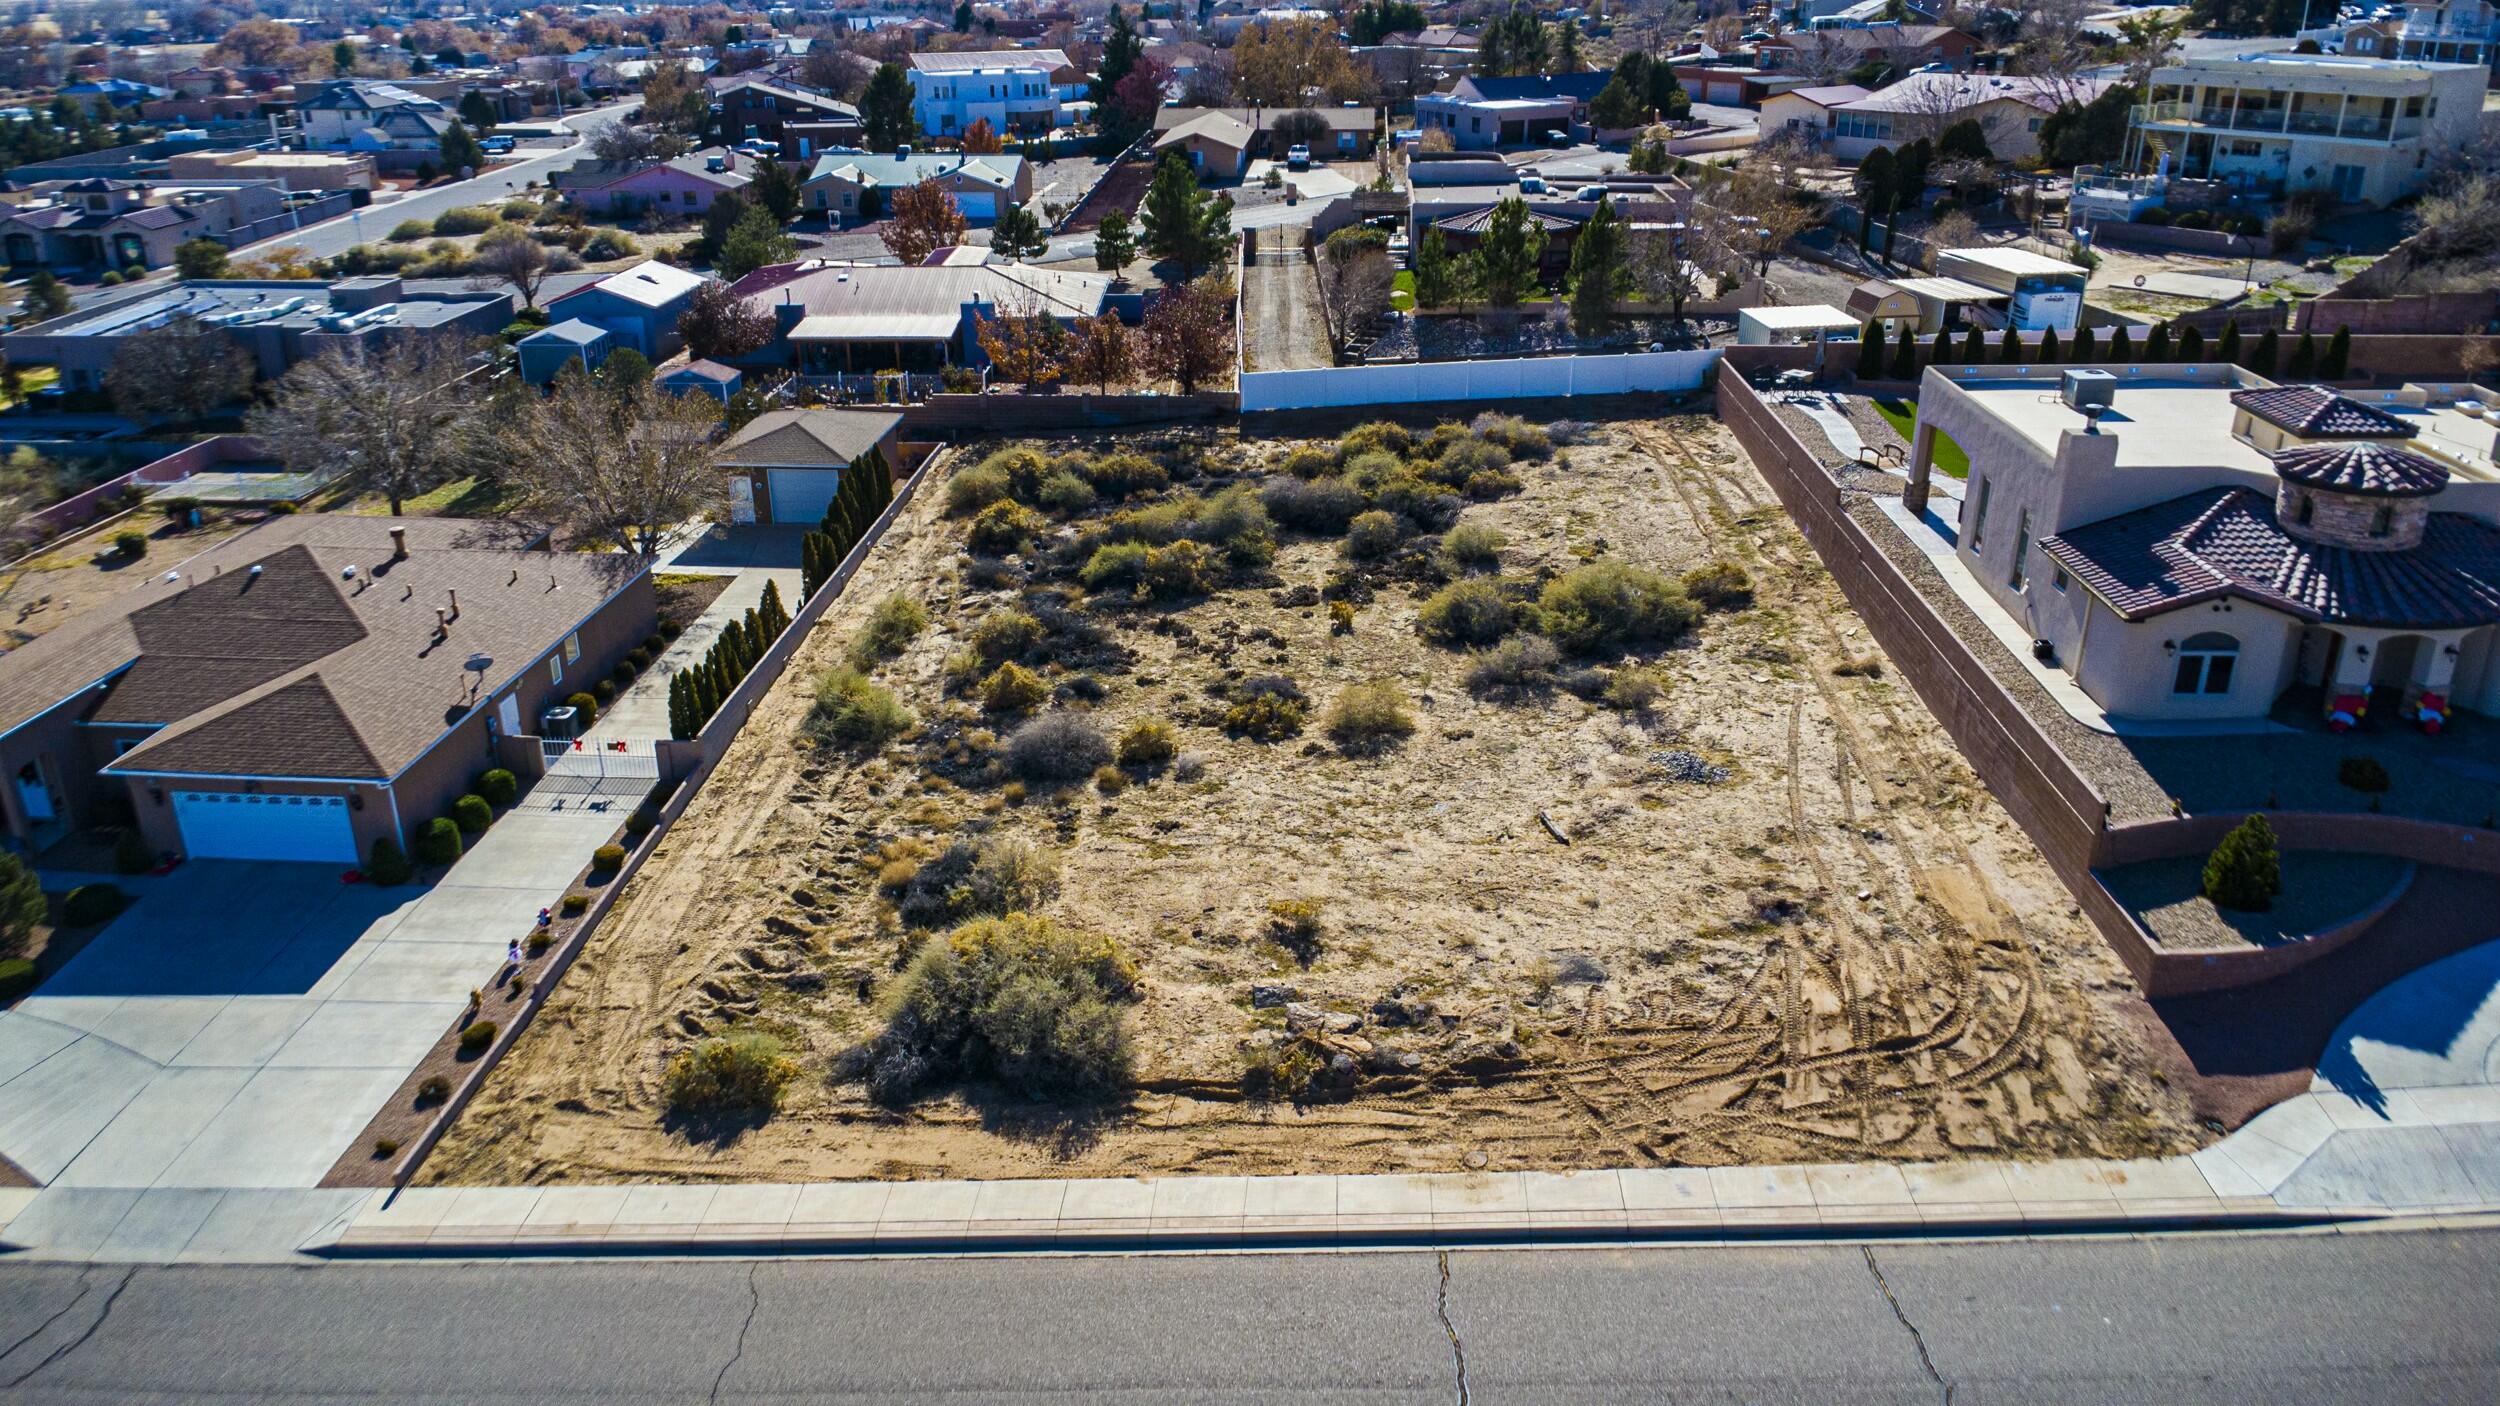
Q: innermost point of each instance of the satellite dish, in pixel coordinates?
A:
(479, 663)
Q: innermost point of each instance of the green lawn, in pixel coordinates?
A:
(1402, 290)
(31, 379)
(1902, 416)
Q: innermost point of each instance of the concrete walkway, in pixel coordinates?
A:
(2404, 1123)
(639, 716)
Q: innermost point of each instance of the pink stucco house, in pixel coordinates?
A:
(687, 185)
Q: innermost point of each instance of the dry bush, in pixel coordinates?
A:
(733, 1074)
(1322, 507)
(1722, 585)
(1019, 999)
(1013, 688)
(891, 627)
(1517, 664)
(1267, 708)
(1005, 634)
(854, 711)
(1634, 690)
(1476, 612)
(975, 878)
(1148, 742)
(1003, 528)
(1610, 606)
(1373, 535)
(975, 488)
(1057, 747)
(1294, 924)
(1473, 547)
(1368, 717)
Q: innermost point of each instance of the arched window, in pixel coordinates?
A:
(2308, 509)
(2206, 663)
(2382, 521)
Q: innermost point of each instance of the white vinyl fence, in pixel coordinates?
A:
(1520, 379)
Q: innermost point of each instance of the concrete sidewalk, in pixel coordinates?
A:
(2403, 1126)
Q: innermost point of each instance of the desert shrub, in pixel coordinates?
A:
(729, 1074)
(607, 859)
(1429, 507)
(1232, 516)
(438, 842)
(519, 211)
(1369, 716)
(855, 711)
(1178, 571)
(1376, 437)
(1065, 493)
(467, 219)
(1341, 617)
(1322, 507)
(1608, 606)
(130, 543)
(1265, 708)
(1521, 439)
(1006, 633)
(499, 786)
(573, 905)
(1127, 475)
(1118, 566)
(891, 627)
(410, 231)
(1002, 528)
(476, 1037)
(1012, 688)
(1282, 1071)
(389, 866)
(1308, 464)
(585, 708)
(1110, 780)
(1489, 484)
(2367, 774)
(1633, 690)
(1472, 546)
(1022, 467)
(604, 692)
(472, 814)
(1294, 923)
(642, 822)
(1019, 999)
(1722, 585)
(1475, 612)
(1057, 747)
(1468, 456)
(90, 904)
(1372, 535)
(1188, 766)
(1369, 471)
(975, 488)
(1148, 742)
(434, 1089)
(1520, 662)
(2244, 871)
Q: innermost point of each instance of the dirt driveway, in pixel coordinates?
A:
(1282, 329)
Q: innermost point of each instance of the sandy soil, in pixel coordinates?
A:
(1843, 950)
(78, 573)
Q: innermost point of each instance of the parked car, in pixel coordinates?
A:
(1398, 249)
(495, 146)
(1589, 192)
(1555, 136)
(1298, 158)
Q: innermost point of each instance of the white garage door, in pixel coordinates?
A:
(233, 825)
(980, 206)
(802, 495)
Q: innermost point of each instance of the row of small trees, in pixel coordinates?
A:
(1187, 339)
(696, 693)
(2309, 360)
(867, 486)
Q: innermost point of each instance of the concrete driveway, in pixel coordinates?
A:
(239, 1025)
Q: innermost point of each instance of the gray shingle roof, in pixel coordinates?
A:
(2226, 542)
(808, 438)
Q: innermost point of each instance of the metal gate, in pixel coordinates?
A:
(592, 774)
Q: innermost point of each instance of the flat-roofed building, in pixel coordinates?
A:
(2041, 293)
(2190, 542)
(2361, 131)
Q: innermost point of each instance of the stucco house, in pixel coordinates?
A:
(308, 688)
(846, 319)
(545, 353)
(785, 466)
(1014, 90)
(639, 306)
(686, 185)
(858, 185)
(2192, 543)
(129, 225)
(1216, 143)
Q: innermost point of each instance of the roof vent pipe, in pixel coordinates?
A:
(399, 544)
(442, 622)
(455, 603)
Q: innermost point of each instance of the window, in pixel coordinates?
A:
(2058, 579)
(2022, 550)
(572, 647)
(1979, 516)
(2308, 510)
(555, 668)
(2205, 664)
(2381, 521)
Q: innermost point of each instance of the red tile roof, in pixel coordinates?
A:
(2226, 542)
(2314, 412)
(2379, 470)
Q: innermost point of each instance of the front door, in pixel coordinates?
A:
(2348, 184)
(508, 714)
(35, 794)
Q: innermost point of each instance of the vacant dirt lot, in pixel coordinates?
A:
(1538, 946)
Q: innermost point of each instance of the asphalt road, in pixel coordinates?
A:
(373, 223)
(2266, 1320)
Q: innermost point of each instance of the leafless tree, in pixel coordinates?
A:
(1354, 281)
(622, 464)
(626, 144)
(510, 256)
(389, 419)
(185, 369)
(2054, 42)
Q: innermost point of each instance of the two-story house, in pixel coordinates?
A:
(799, 122)
(2360, 131)
(1015, 90)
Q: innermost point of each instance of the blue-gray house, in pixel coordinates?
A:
(546, 352)
(640, 305)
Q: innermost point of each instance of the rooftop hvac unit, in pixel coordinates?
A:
(559, 723)
(2081, 388)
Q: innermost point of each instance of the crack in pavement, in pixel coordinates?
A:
(1441, 1310)
(84, 1288)
(755, 1300)
(80, 1341)
(1917, 1339)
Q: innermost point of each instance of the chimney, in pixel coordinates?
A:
(455, 603)
(399, 544)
